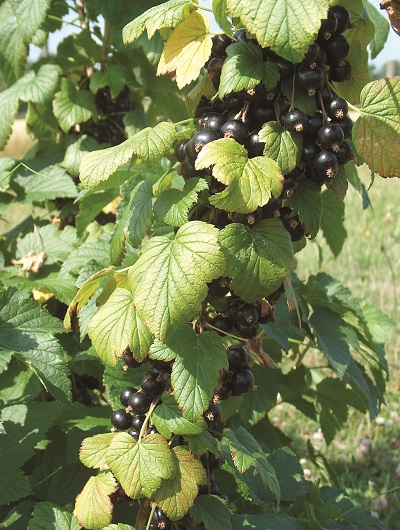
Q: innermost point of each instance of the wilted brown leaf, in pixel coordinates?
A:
(393, 9)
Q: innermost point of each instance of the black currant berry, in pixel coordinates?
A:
(247, 332)
(289, 185)
(271, 209)
(215, 67)
(224, 392)
(150, 385)
(297, 233)
(220, 44)
(342, 16)
(215, 122)
(311, 55)
(219, 286)
(341, 71)
(239, 357)
(211, 461)
(126, 394)
(248, 219)
(137, 422)
(330, 136)
(328, 27)
(134, 434)
(325, 164)
(285, 67)
(187, 170)
(296, 121)
(121, 420)
(263, 112)
(199, 140)
(240, 36)
(179, 150)
(269, 315)
(337, 47)
(235, 129)
(139, 403)
(129, 360)
(311, 79)
(253, 94)
(242, 381)
(254, 146)
(160, 520)
(310, 151)
(345, 154)
(337, 108)
(314, 125)
(212, 414)
(247, 314)
(346, 124)
(222, 323)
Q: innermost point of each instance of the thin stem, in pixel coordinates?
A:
(225, 333)
(153, 509)
(148, 417)
(293, 88)
(80, 4)
(352, 107)
(203, 8)
(322, 107)
(106, 44)
(183, 122)
(58, 19)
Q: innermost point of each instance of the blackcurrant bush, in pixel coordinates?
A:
(235, 129)
(346, 124)
(139, 403)
(328, 27)
(296, 121)
(242, 381)
(340, 71)
(310, 151)
(137, 422)
(345, 154)
(222, 323)
(342, 16)
(121, 420)
(311, 79)
(126, 394)
(337, 108)
(179, 150)
(254, 146)
(220, 44)
(330, 136)
(337, 47)
(150, 385)
(219, 286)
(311, 55)
(325, 164)
(239, 357)
(247, 332)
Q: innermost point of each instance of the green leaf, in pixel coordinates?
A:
(56, 244)
(117, 325)
(20, 21)
(93, 450)
(136, 465)
(286, 26)
(26, 329)
(219, 10)
(302, 100)
(245, 68)
(339, 183)
(187, 50)
(282, 146)
(38, 186)
(172, 206)
(43, 85)
(148, 145)
(49, 516)
(193, 384)
(97, 250)
(306, 201)
(212, 511)
(332, 222)
(176, 496)
(266, 522)
(200, 443)
(168, 15)
(76, 151)
(93, 506)
(258, 259)
(250, 182)
(140, 212)
(5, 358)
(376, 133)
(351, 88)
(169, 420)
(290, 474)
(382, 28)
(72, 106)
(113, 77)
(169, 280)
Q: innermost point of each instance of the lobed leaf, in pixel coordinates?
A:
(170, 420)
(306, 201)
(71, 105)
(93, 450)
(93, 506)
(49, 516)
(282, 146)
(212, 511)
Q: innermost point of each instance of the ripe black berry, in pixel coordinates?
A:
(325, 164)
(347, 125)
(310, 151)
(134, 434)
(240, 36)
(263, 112)
(137, 422)
(179, 150)
(160, 520)
(199, 140)
(235, 129)
(247, 332)
(224, 392)
(215, 122)
(222, 323)
(220, 44)
(295, 121)
(242, 381)
(311, 55)
(254, 146)
(328, 27)
(150, 385)
(215, 67)
(247, 314)
(311, 79)
(337, 47)
(139, 403)
(330, 136)
(239, 357)
(341, 71)
(337, 108)
(314, 125)
(342, 16)
(187, 170)
(121, 420)
(219, 286)
(126, 394)
(345, 154)
(248, 219)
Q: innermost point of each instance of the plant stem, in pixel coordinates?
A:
(80, 4)
(106, 44)
(153, 509)
(204, 8)
(183, 122)
(58, 19)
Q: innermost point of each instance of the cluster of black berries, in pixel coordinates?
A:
(109, 127)
(82, 385)
(238, 379)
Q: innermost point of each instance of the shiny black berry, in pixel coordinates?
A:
(247, 314)
(337, 47)
(224, 392)
(137, 422)
(215, 67)
(263, 112)
(330, 136)
(347, 125)
(341, 71)
(296, 121)
(325, 164)
(310, 151)
(134, 434)
(219, 286)
(222, 323)
(235, 129)
(139, 403)
(220, 44)
(311, 55)
(247, 332)
(240, 36)
(121, 420)
(254, 146)
(328, 27)
(337, 108)
(150, 385)
(179, 150)
(239, 357)
(342, 16)
(160, 520)
(285, 67)
(126, 394)
(345, 154)
(311, 79)
(242, 381)
(314, 125)
(215, 122)
(199, 140)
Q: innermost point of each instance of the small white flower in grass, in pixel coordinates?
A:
(364, 445)
(380, 504)
(394, 415)
(318, 435)
(303, 461)
(379, 420)
(307, 473)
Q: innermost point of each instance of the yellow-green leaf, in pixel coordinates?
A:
(93, 450)
(187, 49)
(93, 506)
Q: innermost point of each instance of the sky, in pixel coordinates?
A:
(390, 51)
